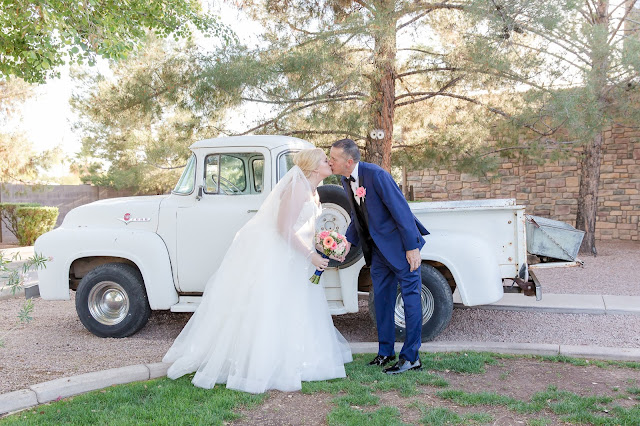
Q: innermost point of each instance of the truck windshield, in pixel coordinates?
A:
(188, 179)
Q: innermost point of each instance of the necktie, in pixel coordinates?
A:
(351, 178)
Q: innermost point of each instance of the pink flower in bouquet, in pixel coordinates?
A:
(328, 242)
(361, 192)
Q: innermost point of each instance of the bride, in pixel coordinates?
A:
(261, 324)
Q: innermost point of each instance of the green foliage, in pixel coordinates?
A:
(9, 215)
(634, 391)
(572, 407)
(38, 36)
(383, 416)
(27, 221)
(316, 71)
(13, 279)
(33, 222)
(356, 402)
(161, 401)
(137, 124)
(489, 398)
(444, 416)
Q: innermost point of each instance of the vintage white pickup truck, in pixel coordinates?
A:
(128, 256)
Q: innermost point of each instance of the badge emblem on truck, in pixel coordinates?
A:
(128, 219)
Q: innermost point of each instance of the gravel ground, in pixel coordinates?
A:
(55, 344)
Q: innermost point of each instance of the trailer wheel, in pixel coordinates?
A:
(336, 216)
(437, 305)
(111, 301)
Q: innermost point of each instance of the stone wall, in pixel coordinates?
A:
(65, 197)
(551, 190)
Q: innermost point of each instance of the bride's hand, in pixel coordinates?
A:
(319, 262)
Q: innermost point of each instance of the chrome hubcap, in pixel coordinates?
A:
(108, 303)
(426, 300)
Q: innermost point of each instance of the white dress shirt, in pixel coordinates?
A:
(355, 184)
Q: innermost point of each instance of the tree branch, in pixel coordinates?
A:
(366, 6)
(422, 51)
(404, 74)
(289, 111)
(324, 132)
(555, 55)
(339, 97)
(426, 95)
(414, 19)
(626, 14)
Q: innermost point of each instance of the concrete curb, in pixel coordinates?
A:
(69, 386)
(65, 387)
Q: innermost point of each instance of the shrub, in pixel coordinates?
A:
(34, 221)
(9, 216)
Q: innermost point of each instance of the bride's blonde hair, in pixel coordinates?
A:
(309, 159)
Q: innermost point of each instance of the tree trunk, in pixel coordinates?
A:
(588, 195)
(383, 92)
(592, 154)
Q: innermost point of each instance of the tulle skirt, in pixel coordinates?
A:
(261, 324)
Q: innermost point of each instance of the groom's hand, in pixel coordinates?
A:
(413, 257)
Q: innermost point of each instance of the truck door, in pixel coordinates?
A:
(233, 188)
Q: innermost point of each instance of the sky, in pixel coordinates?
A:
(47, 117)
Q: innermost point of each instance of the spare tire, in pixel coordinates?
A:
(336, 216)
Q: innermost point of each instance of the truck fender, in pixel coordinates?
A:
(472, 263)
(145, 249)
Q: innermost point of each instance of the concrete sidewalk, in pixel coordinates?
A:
(562, 304)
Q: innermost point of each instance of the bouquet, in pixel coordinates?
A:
(329, 244)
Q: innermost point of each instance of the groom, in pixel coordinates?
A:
(391, 239)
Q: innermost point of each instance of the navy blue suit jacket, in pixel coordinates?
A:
(392, 226)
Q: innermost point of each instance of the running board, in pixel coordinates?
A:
(191, 303)
(186, 304)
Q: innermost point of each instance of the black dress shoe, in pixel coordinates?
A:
(403, 365)
(382, 360)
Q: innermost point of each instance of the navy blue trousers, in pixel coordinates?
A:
(385, 279)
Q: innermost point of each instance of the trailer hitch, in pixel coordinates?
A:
(529, 288)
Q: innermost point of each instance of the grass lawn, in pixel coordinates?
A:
(366, 397)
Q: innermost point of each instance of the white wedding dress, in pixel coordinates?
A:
(261, 324)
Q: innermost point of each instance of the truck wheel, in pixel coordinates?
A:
(111, 301)
(437, 305)
(336, 216)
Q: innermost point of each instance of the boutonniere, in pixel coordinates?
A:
(360, 193)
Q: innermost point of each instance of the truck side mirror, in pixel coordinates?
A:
(199, 196)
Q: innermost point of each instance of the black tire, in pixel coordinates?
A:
(111, 300)
(336, 215)
(437, 305)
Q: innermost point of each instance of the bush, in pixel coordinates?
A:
(9, 216)
(34, 221)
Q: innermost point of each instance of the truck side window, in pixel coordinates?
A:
(211, 170)
(258, 174)
(233, 178)
(187, 181)
(233, 174)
